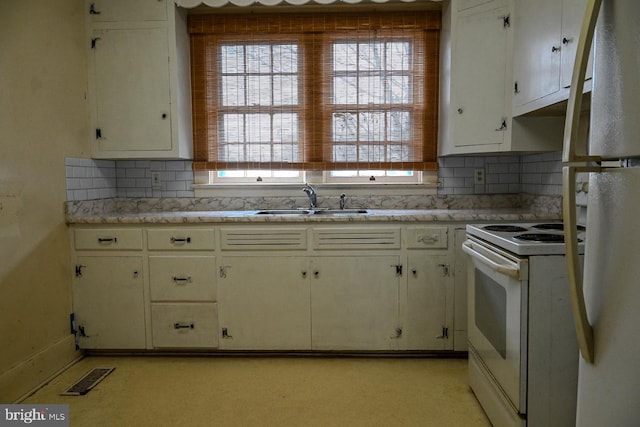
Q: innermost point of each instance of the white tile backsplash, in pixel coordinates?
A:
(89, 179)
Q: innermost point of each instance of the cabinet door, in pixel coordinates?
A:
(108, 302)
(263, 303)
(538, 43)
(131, 90)
(428, 281)
(572, 16)
(354, 303)
(127, 10)
(479, 71)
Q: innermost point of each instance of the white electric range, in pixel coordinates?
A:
(523, 350)
(539, 238)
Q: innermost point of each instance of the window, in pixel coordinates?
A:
(330, 92)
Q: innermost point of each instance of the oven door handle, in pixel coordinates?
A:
(505, 266)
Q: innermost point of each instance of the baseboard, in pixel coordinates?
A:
(23, 379)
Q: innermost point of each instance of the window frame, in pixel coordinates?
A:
(315, 155)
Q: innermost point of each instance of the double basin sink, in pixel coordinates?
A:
(314, 211)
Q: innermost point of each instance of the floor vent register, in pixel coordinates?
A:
(87, 382)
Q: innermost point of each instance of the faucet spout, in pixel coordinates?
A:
(312, 194)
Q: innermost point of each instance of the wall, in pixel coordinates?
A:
(43, 119)
(539, 174)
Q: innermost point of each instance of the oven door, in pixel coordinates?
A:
(497, 304)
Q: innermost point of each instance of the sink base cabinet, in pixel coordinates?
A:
(371, 288)
(264, 303)
(354, 303)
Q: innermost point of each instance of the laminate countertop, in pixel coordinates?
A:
(372, 215)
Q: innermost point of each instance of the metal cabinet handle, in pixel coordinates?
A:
(107, 240)
(182, 280)
(555, 49)
(184, 325)
(180, 239)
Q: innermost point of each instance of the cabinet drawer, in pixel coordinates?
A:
(427, 237)
(356, 238)
(181, 239)
(185, 325)
(182, 278)
(263, 238)
(108, 239)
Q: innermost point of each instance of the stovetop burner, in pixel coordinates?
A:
(504, 228)
(541, 237)
(554, 226)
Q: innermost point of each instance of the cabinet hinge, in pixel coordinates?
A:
(506, 21)
(79, 270)
(445, 269)
(225, 333)
(515, 88)
(398, 269)
(98, 133)
(94, 41)
(398, 333)
(445, 334)
(92, 10)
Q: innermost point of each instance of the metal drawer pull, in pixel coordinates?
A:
(181, 280)
(180, 240)
(183, 325)
(429, 239)
(107, 239)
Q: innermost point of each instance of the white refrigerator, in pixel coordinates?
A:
(606, 293)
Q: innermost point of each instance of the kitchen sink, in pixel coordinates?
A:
(340, 211)
(284, 212)
(319, 211)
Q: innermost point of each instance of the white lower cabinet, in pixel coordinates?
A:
(108, 299)
(184, 325)
(355, 302)
(428, 283)
(264, 303)
(364, 287)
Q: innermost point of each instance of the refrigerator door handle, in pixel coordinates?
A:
(574, 163)
(572, 122)
(584, 331)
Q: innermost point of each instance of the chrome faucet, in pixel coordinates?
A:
(343, 201)
(312, 194)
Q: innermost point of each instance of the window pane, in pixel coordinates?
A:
(399, 126)
(285, 127)
(399, 89)
(285, 58)
(344, 153)
(285, 90)
(345, 56)
(259, 90)
(232, 128)
(258, 127)
(345, 90)
(371, 90)
(398, 55)
(233, 91)
(345, 127)
(370, 56)
(258, 58)
(371, 127)
(232, 59)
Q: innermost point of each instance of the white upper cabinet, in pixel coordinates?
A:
(546, 37)
(139, 82)
(476, 85)
(127, 10)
